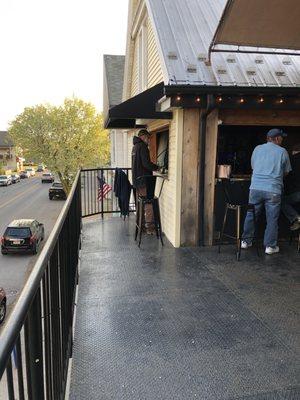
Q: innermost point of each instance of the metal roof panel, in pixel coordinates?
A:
(187, 27)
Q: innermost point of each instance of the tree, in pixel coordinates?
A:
(65, 138)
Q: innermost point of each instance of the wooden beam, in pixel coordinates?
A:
(210, 173)
(260, 117)
(190, 171)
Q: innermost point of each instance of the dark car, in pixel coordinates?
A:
(2, 305)
(57, 191)
(22, 235)
(15, 178)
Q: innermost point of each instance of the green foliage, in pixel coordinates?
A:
(65, 138)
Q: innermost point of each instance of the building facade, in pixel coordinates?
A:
(8, 158)
(206, 109)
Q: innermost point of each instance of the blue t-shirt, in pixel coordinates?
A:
(270, 163)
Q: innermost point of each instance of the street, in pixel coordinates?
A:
(26, 199)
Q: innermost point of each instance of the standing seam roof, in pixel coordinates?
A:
(114, 70)
(187, 27)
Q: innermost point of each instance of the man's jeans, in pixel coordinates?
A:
(287, 208)
(272, 204)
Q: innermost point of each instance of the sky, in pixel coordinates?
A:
(52, 49)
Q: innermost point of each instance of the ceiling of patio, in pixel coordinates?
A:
(256, 23)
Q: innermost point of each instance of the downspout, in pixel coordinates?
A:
(211, 105)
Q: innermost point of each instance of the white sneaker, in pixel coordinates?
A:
(245, 245)
(272, 250)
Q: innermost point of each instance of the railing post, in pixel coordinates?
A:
(34, 350)
(101, 183)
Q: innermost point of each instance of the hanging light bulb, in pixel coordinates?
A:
(220, 99)
(281, 101)
(242, 100)
(178, 98)
(261, 100)
(198, 99)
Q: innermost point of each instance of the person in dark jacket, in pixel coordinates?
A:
(292, 190)
(142, 165)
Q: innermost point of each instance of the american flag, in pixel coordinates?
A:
(103, 189)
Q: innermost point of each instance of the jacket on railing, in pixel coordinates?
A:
(122, 189)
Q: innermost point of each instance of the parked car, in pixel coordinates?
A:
(24, 174)
(22, 235)
(15, 178)
(2, 305)
(47, 177)
(31, 171)
(57, 191)
(5, 180)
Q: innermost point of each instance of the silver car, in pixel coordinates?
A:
(47, 177)
(5, 180)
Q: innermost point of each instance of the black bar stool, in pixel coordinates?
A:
(236, 206)
(293, 235)
(150, 198)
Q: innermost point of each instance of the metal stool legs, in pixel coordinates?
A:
(223, 228)
(297, 238)
(140, 218)
(238, 237)
(238, 233)
(157, 221)
(137, 219)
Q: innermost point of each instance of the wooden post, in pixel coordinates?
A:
(190, 171)
(210, 173)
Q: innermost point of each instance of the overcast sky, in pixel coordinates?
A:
(52, 49)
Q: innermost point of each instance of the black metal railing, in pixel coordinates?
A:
(97, 188)
(37, 337)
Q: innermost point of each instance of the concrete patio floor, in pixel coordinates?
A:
(164, 323)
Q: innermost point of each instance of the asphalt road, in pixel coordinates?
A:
(26, 199)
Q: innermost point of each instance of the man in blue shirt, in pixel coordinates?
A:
(270, 163)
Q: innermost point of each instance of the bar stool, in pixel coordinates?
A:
(236, 206)
(297, 235)
(142, 201)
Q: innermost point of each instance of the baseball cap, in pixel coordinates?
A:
(143, 132)
(276, 132)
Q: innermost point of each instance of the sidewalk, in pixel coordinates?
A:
(165, 323)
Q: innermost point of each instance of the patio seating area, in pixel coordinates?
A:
(163, 323)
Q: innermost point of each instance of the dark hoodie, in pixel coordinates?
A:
(141, 163)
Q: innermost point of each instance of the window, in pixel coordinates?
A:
(142, 58)
(159, 148)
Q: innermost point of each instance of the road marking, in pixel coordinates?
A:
(18, 195)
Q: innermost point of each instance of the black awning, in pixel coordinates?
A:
(142, 106)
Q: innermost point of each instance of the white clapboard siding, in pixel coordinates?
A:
(155, 74)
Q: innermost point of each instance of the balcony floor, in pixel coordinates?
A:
(164, 323)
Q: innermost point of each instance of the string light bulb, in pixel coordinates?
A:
(178, 98)
(198, 99)
(242, 100)
(280, 101)
(261, 100)
(220, 99)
